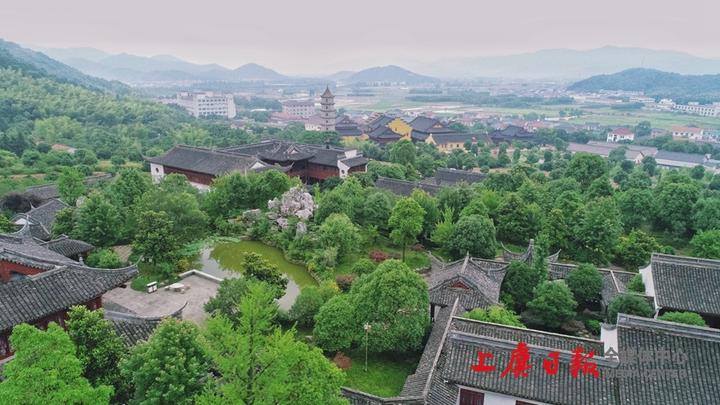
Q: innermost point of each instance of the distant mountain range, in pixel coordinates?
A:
(134, 69)
(37, 64)
(389, 74)
(656, 83)
(568, 64)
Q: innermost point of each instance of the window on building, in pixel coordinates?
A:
(470, 397)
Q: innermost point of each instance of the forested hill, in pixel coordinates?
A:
(37, 64)
(655, 83)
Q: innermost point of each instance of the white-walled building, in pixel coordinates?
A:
(205, 104)
(302, 108)
(620, 134)
(688, 133)
(706, 110)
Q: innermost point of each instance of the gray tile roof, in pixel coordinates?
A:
(383, 132)
(48, 191)
(527, 256)
(475, 283)
(355, 161)
(695, 158)
(658, 339)
(614, 281)
(418, 384)
(68, 247)
(686, 283)
(35, 297)
(133, 328)
(442, 139)
(205, 161)
(461, 351)
(284, 151)
(450, 177)
(42, 218)
(404, 187)
(22, 248)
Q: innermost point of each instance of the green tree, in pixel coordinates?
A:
(585, 282)
(636, 284)
(406, 222)
(376, 210)
(154, 239)
(5, 225)
(46, 371)
(403, 152)
(99, 349)
(333, 202)
(675, 203)
(630, 304)
(182, 207)
(444, 228)
(553, 303)
(394, 301)
(474, 235)
(475, 207)
(339, 232)
(64, 222)
(363, 266)
(335, 324)
(496, 314)
(586, 168)
(517, 221)
(635, 249)
(308, 303)
(227, 298)
(130, 185)
(259, 364)
(697, 172)
(707, 214)
(706, 244)
(104, 259)
(70, 185)
(649, 165)
(600, 187)
(637, 207)
(518, 285)
(172, 367)
(688, 318)
(257, 267)
(432, 212)
(598, 231)
(98, 221)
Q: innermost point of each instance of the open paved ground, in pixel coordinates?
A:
(164, 302)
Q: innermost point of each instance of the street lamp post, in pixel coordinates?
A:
(367, 328)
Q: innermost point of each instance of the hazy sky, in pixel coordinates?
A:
(323, 36)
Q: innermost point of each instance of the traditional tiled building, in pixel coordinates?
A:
(46, 285)
(311, 163)
(512, 134)
(679, 283)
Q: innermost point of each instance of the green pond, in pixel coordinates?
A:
(225, 260)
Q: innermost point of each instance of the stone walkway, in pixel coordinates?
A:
(164, 302)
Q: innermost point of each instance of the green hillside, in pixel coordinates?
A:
(37, 64)
(654, 83)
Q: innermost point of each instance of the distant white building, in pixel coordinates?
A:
(326, 117)
(302, 109)
(620, 134)
(205, 104)
(706, 110)
(688, 133)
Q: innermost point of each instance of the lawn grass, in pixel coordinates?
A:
(148, 274)
(414, 260)
(386, 373)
